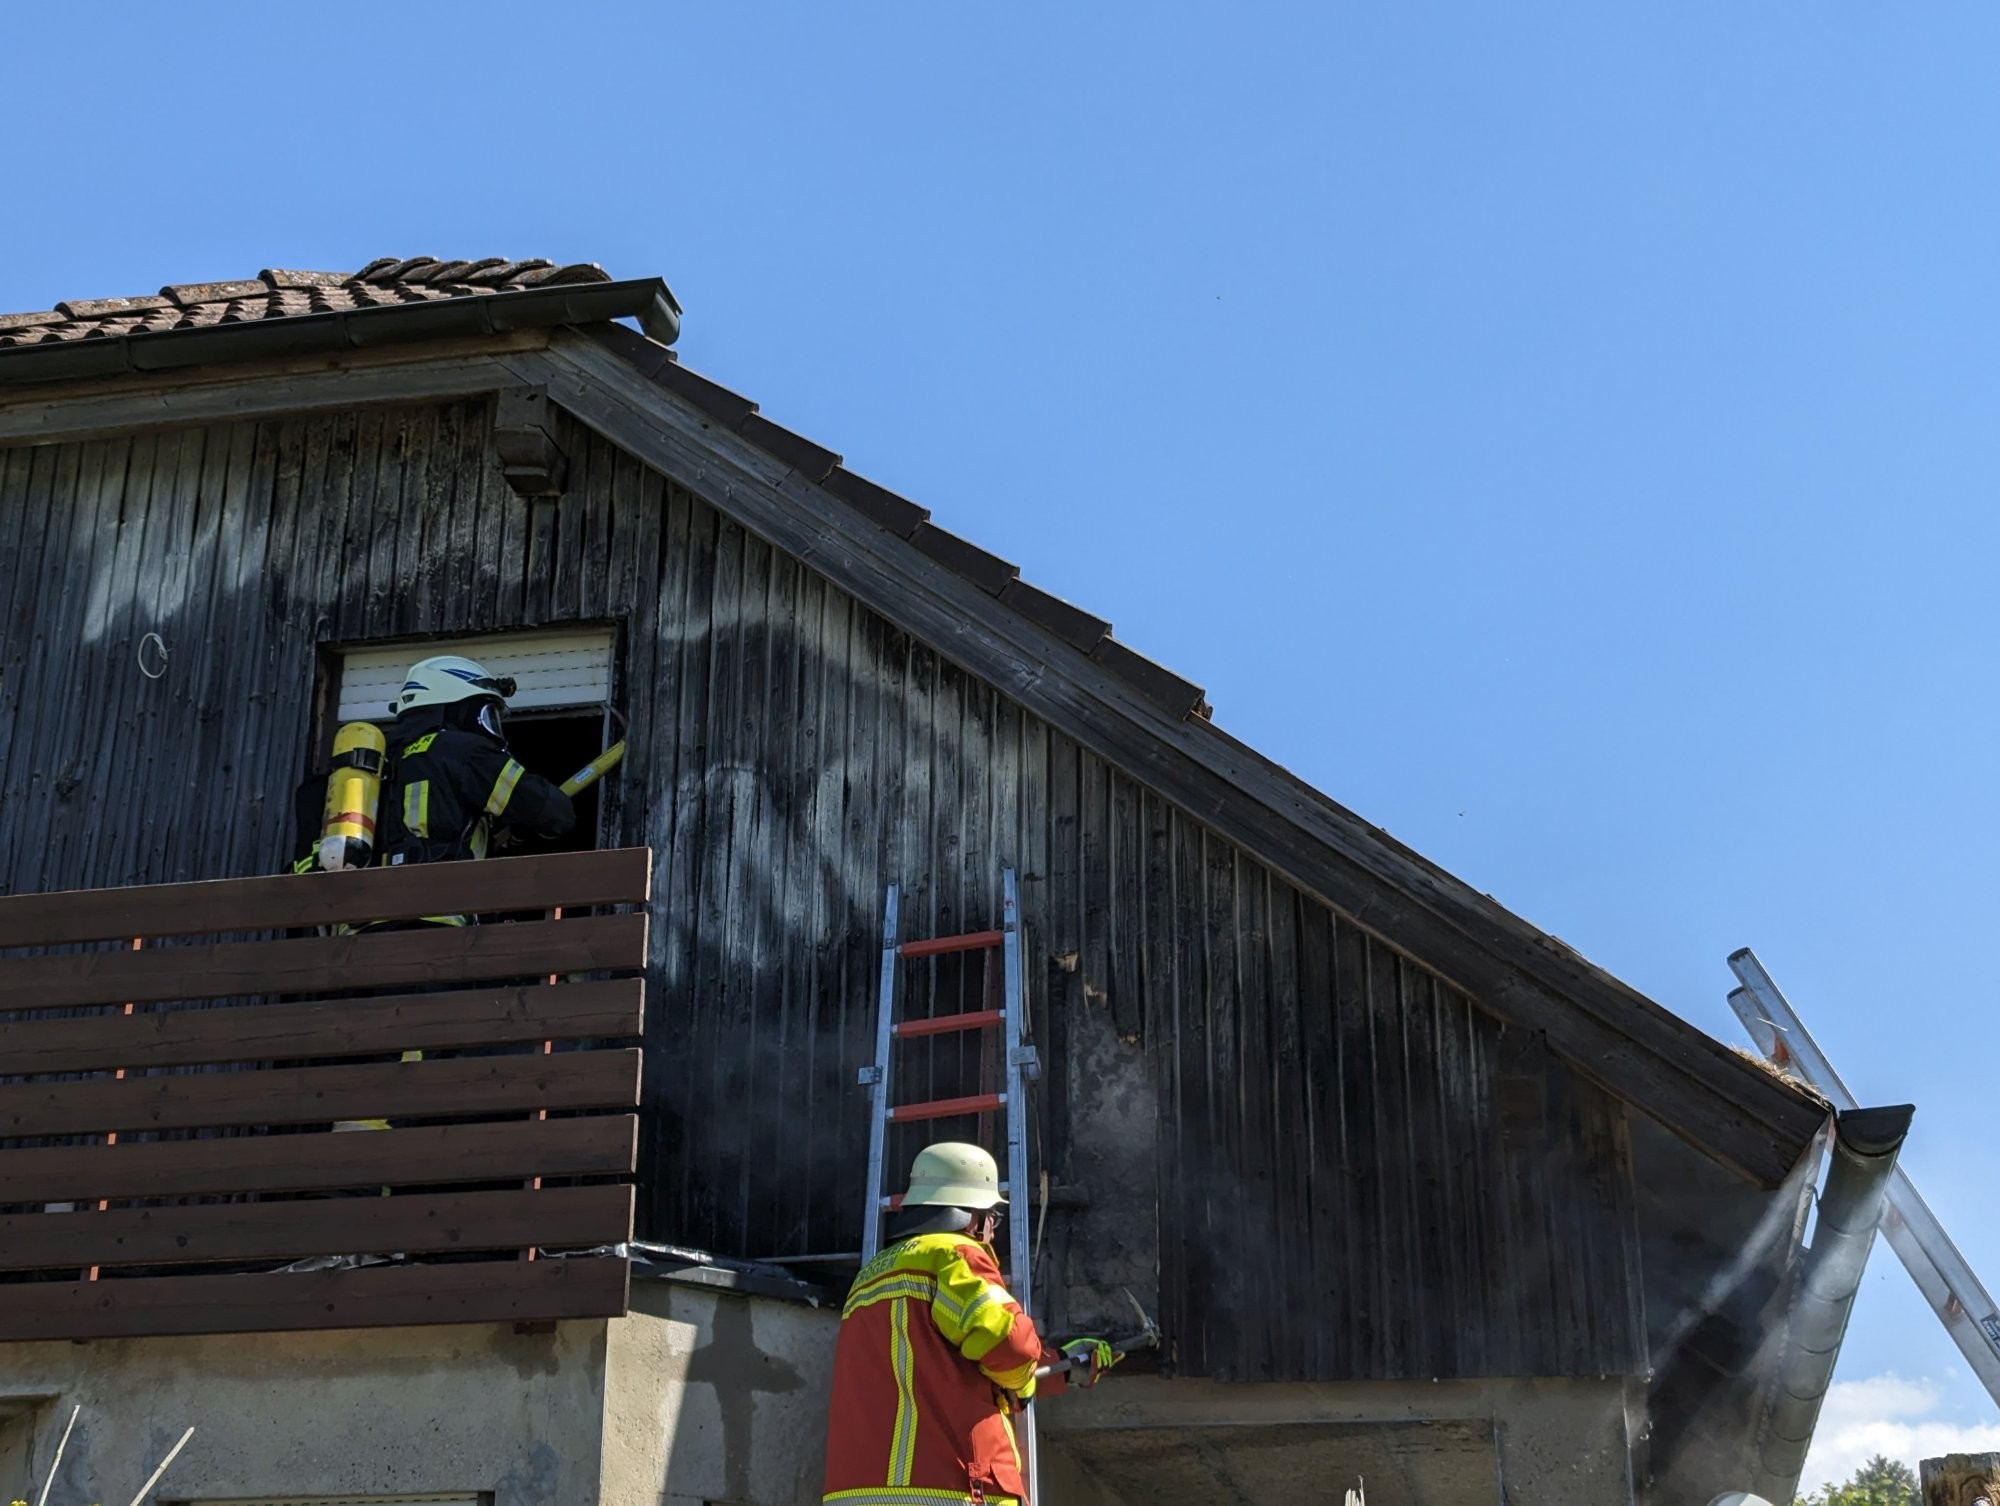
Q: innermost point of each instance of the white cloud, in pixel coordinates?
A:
(1886, 1414)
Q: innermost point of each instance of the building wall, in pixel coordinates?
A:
(711, 1396)
(1514, 1442)
(716, 1397)
(1324, 1162)
(389, 1411)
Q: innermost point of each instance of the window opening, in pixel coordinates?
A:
(559, 718)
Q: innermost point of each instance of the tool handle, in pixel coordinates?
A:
(1121, 1346)
(595, 770)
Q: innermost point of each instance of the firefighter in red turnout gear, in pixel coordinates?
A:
(935, 1356)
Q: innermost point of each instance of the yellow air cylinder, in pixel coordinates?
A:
(353, 795)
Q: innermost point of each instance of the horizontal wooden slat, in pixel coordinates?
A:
(513, 1291)
(287, 901)
(309, 1095)
(605, 1145)
(512, 1219)
(324, 964)
(330, 1027)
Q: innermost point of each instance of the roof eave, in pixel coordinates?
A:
(646, 299)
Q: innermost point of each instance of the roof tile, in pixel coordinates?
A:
(283, 278)
(1178, 697)
(187, 293)
(989, 572)
(104, 308)
(727, 408)
(280, 293)
(812, 461)
(576, 272)
(877, 503)
(647, 356)
(1073, 625)
(25, 321)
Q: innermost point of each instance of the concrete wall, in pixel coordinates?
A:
(413, 1411)
(716, 1396)
(713, 1393)
(1142, 1441)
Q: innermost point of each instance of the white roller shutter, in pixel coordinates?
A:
(554, 670)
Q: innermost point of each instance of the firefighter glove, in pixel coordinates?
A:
(1088, 1360)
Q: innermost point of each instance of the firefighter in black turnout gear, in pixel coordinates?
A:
(454, 783)
(439, 791)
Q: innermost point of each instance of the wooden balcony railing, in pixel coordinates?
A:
(147, 1139)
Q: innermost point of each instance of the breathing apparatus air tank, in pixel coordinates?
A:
(353, 796)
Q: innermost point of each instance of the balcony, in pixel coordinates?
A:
(173, 1060)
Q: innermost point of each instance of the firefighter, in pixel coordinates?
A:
(935, 1357)
(455, 784)
(447, 786)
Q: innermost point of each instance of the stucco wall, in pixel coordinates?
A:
(709, 1394)
(716, 1397)
(371, 1412)
(1144, 1440)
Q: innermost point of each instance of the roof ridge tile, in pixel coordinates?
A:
(107, 308)
(186, 294)
(281, 279)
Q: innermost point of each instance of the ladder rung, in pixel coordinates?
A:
(945, 1108)
(971, 1019)
(978, 941)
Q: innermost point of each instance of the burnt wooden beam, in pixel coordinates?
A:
(1616, 1036)
(524, 425)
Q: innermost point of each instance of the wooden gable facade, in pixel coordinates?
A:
(1342, 1119)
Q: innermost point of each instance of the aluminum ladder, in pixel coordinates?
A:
(1019, 1066)
(1941, 1273)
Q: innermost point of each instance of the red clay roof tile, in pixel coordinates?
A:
(279, 293)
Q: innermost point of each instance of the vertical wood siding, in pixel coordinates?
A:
(1325, 1162)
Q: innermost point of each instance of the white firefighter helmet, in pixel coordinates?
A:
(952, 1174)
(445, 680)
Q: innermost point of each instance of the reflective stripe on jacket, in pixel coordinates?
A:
(930, 1343)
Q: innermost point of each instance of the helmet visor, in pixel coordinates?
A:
(490, 719)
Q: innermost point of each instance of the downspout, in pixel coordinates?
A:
(1865, 1146)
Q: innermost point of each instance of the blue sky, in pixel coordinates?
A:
(1563, 433)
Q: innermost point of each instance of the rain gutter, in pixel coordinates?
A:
(341, 331)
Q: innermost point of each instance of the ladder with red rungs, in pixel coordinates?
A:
(1020, 1067)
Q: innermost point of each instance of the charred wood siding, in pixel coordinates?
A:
(1328, 1163)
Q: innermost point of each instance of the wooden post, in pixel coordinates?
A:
(534, 1184)
(1962, 1480)
(112, 1138)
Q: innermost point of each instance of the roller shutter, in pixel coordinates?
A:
(555, 670)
